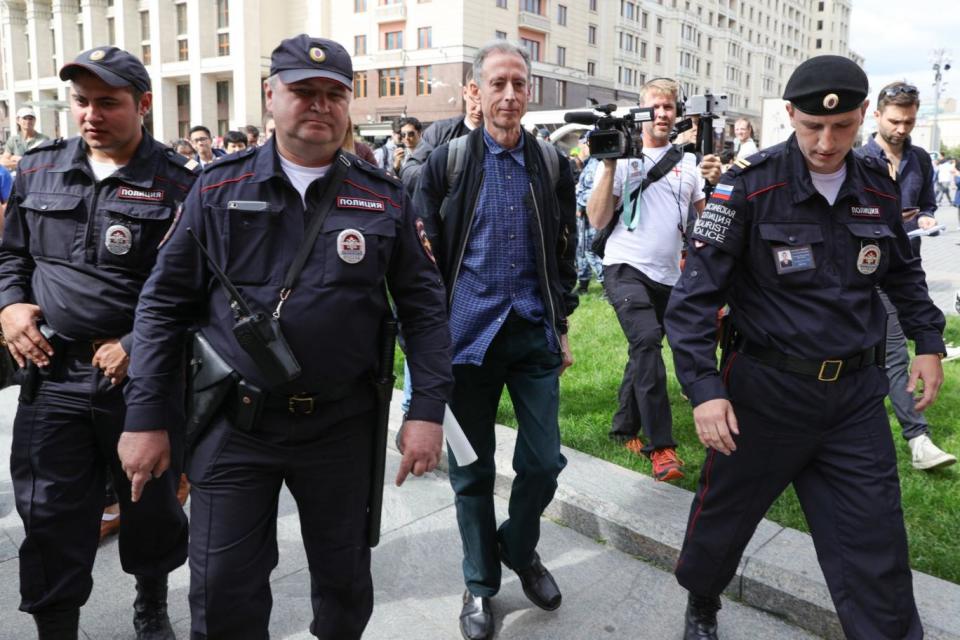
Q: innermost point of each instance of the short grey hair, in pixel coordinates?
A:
(499, 46)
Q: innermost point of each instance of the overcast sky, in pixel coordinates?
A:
(898, 37)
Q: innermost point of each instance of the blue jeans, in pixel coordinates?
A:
(519, 359)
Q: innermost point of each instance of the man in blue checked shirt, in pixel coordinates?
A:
(505, 244)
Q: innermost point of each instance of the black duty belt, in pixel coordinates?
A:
(79, 349)
(822, 370)
(305, 403)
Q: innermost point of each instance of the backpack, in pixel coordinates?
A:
(456, 158)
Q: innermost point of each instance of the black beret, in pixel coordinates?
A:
(114, 66)
(827, 85)
(303, 57)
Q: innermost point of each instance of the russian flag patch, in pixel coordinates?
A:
(723, 191)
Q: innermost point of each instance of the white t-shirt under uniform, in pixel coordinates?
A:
(653, 247)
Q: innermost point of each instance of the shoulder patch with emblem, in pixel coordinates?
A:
(425, 241)
(47, 145)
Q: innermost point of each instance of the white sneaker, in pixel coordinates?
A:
(927, 455)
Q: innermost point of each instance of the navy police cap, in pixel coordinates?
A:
(827, 85)
(114, 66)
(302, 57)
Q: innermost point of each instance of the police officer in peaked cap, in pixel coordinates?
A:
(314, 432)
(795, 239)
(83, 228)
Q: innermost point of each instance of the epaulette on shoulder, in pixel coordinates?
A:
(373, 170)
(189, 164)
(742, 165)
(230, 158)
(47, 145)
(875, 164)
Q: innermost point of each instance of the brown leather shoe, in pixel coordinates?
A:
(109, 527)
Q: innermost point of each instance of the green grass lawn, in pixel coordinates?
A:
(931, 501)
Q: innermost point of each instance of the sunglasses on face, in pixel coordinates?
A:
(408, 134)
(907, 89)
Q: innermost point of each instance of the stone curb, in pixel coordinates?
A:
(634, 514)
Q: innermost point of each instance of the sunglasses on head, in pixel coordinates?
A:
(907, 89)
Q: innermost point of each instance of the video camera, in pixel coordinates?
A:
(613, 136)
(707, 108)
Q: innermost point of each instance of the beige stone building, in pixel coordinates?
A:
(207, 58)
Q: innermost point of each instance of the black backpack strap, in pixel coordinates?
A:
(669, 160)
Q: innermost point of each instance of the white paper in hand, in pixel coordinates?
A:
(457, 439)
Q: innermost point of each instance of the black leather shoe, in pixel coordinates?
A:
(476, 618)
(538, 585)
(701, 618)
(150, 619)
(58, 625)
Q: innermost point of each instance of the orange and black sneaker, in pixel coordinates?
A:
(634, 445)
(666, 465)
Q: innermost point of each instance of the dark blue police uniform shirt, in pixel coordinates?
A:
(914, 190)
(813, 302)
(80, 249)
(252, 220)
(498, 273)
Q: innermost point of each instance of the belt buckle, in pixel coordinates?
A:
(294, 403)
(822, 377)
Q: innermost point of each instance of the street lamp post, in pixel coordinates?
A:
(941, 63)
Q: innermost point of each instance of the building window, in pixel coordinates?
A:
(562, 15)
(592, 35)
(643, 49)
(501, 4)
(643, 20)
(531, 6)
(593, 5)
(393, 40)
(146, 57)
(562, 56)
(391, 82)
(424, 81)
(591, 68)
(111, 31)
(561, 93)
(658, 55)
(359, 46)
(223, 44)
(53, 43)
(181, 18)
(819, 43)
(425, 38)
(533, 47)
(183, 110)
(359, 6)
(183, 49)
(359, 84)
(144, 25)
(223, 107)
(223, 14)
(80, 35)
(501, 35)
(660, 26)
(536, 90)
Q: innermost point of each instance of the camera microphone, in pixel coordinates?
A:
(581, 117)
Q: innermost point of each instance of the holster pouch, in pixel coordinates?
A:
(249, 405)
(30, 376)
(211, 380)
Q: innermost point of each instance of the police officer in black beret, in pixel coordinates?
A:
(82, 232)
(795, 239)
(312, 433)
